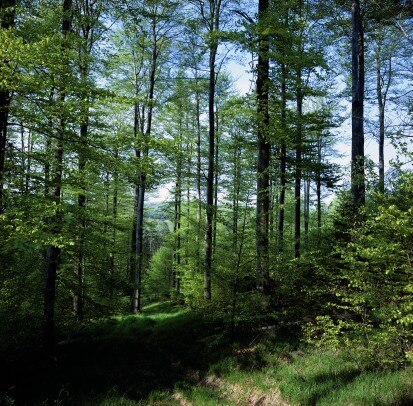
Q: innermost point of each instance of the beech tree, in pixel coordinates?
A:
(53, 251)
(150, 38)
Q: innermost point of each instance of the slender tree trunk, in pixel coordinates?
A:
(307, 185)
(273, 191)
(84, 53)
(319, 148)
(264, 149)
(53, 253)
(283, 159)
(214, 17)
(382, 89)
(237, 252)
(48, 150)
(30, 145)
(235, 199)
(188, 174)
(23, 172)
(198, 176)
(140, 201)
(7, 17)
(357, 149)
(298, 146)
(81, 200)
(137, 293)
(114, 220)
(177, 222)
(381, 142)
(216, 178)
(235, 211)
(298, 171)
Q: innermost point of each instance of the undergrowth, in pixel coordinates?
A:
(170, 356)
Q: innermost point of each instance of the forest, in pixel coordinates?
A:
(206, 202)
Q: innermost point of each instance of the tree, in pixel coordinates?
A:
(87, 19)
(357, 120)
(7, 16)
(53, 252)
(264, 148)
(148, 46)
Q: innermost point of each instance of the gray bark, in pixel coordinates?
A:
(263, 160)
(357, 139)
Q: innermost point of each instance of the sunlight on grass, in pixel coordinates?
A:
(321, 377)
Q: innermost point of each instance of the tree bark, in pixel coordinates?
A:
(382, 88)
(318, 182)
(141, 186)
(7, 21)
(283, 159)
(216, 179)
(307, 187)
(298, 170)
(177, 220)
(264, 149)
(114, 220)
(53, 253)
(215, 9)
(198, 175)
(358, 78)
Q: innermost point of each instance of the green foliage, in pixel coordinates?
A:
(158, 279)
(379, 281)
(370, 281)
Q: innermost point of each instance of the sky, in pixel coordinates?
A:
(244, 83)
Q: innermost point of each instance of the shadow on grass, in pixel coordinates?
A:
(328, 383)
(346, 384)
(128, 357)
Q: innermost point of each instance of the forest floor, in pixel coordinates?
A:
(170, 356)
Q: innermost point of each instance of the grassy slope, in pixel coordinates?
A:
(168, 356)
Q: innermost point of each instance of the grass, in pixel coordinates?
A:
(169, 356)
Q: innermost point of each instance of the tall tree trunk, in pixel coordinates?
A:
(307, 186)
(7, 17)
(198, 175)
(216, 178)
(263, 162)
(140, 201)
(298, 170)
(283, 158)
(141, 188)
(188, 174)
(114, 220)
(81, 201)
(298, 142)
(213, 48)
(48, 147)
(53, 253)
(23, 172)
(318, 181)
(85, 10)
(382, 88)
(177, 220)
(30, 145)
(357, 139)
